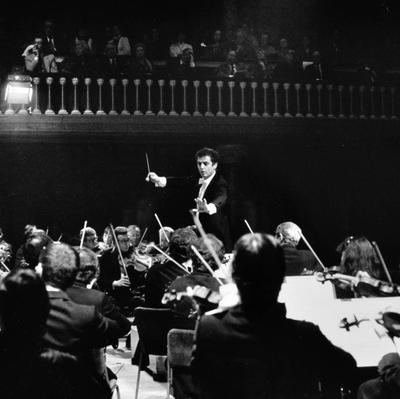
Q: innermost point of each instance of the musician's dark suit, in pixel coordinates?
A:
(264, 355)
(297, 260)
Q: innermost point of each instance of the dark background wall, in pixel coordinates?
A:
(332, 178)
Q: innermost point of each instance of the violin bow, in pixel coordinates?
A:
(313, 252)
(119, 251)
(383, 263)
(5, 266)
(147, 163)
(141, 238)
(196, 220)
(83, 234)
(59, 238)
(161, 227)
(169, 258)
(204, 262)
(248, 226)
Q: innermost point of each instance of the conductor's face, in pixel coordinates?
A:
(205, 167)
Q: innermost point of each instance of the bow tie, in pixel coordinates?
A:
(201, 180)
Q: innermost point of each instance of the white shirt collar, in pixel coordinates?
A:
(207, 181)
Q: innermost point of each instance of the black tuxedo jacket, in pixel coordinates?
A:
(264, 355)
(103, 303)
(297, 260)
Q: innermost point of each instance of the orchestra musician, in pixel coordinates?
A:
(254, 345)
(298, 261)
(210, 193)
(90, 240)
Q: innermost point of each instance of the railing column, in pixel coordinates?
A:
(113, 111)
(392, 92)
(208, 85)
(319, 100)
(275, 86)
(372, 102)
(49, 110)
(243, 85)
(254, 86)
(125, 83)
(62, 110)
(351, 91)
(361, 90)
(149, 82)
(309, 113)
(286, 87)
(172, 84)
(88, 111)
(36, 110)
(383, 114)
(220, 84)
(100, 111)
(184, 111)
(297, 87)
(330, 113)
(196, 85)
(161, 112)
(341, 114)
(75, 110)
(265, 86)
(231, 85)
(137, 111)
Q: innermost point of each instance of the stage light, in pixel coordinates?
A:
(18, 92)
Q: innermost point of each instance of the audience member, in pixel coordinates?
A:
(216, 50)
(50, 48)
(305, 51)
(287, 69)
(286, 360)
(33, 56)
(109, 65)
(182, 66)
(122, 42)
(176, 49)
(265, 46)
(80, 63)
(140, 65)
(315, 72)
(231, 69)
(244, 50)
(83, 37)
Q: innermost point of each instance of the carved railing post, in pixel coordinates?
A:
(75, 110)
(330, 104)
(254, 86)
(265, 86)
(319, 101)
(231, 85)
(351, 91)
(286, 87)
(172, 84)
(383, 113)
(275, 86)
(161, 84)
(184, 86)
(372, 102)
(243, 85)
(309, 113)
(196, 85)
(208, 85)
(125, 83)
(340, 90)
(220, 84)
(100, 111)
(149, 82)
(392, 92)
(49, 110)
(137, 111)
(361, 90)
(297, 87)
(88, 111)
(113, 111)
(62, 110)
(36, 110)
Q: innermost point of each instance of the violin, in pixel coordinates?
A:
(362, 284)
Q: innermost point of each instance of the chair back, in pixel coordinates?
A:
(180, 347)
(152, 327)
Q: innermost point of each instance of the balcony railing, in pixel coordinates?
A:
(219, 98)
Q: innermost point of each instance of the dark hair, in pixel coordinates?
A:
(120, 231)
(60, 264)
(180, 241)
(360, 255)
(88, 265)
(24, 304)
(258, 268)
(200, 245)
(35, 243)
(214, 156)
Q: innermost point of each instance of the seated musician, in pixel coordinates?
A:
(113, 279)
(298, 261)
(161, 275)
(254, 346)
(90, 239)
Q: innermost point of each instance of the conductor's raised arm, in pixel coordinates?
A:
(158, 181)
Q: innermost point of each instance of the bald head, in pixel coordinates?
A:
(288, 233)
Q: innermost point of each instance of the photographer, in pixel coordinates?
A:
(33, 56)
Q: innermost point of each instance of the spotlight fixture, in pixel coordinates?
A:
(18, 92)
